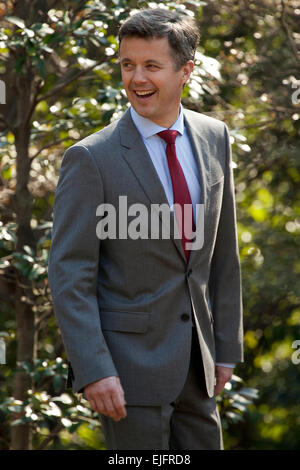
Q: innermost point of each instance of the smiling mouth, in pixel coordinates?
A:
(144, 94)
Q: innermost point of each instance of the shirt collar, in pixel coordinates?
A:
(148, 128)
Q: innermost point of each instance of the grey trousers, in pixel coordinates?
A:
(191, 422)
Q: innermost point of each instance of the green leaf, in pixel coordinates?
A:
(57, 382)
(6, 172)
(41, 65)
(28, 250)
(45, 29)
(17, 21)
(250, 393)
(234, 417)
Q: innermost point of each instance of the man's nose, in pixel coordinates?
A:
(139, 76)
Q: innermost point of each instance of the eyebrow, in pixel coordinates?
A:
(149, 61)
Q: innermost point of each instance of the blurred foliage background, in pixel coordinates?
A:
(59, 64)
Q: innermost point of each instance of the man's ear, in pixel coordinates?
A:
(187, 70)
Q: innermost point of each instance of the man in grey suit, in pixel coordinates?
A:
(152, 327)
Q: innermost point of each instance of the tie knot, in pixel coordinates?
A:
(168, 136)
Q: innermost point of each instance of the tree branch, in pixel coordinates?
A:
(69, 80)
(288, 31)
(33, 100)
(51, 436)
(52, 144)
(45, 316)
(2, 119)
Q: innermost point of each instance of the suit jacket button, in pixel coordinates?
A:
(185, 317)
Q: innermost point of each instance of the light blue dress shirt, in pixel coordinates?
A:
(157, 151)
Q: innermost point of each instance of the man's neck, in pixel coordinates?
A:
(164, 122)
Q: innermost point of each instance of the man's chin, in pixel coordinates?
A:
(142, 111)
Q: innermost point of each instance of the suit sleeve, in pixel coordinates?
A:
(73, 267)
(225, 276)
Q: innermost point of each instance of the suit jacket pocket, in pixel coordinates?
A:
(130, 322)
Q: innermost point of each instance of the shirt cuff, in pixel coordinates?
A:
(223, 364)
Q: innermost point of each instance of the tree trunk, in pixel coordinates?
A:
(21, 103)
(20, 434)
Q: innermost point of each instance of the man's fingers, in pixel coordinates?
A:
(98, 405)
(219, 387)
(223, 375)
(115, 403)
(106, 396)
(119, 405)
(104, 406)
(111, 410)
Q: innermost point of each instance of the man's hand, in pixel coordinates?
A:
(223, 375)
(106, 396)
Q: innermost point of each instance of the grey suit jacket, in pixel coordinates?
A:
(125, 306)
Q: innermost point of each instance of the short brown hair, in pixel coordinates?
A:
(180, 30)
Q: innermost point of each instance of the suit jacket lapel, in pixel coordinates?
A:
(140, 163)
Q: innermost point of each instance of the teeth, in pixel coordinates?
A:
(143, 93)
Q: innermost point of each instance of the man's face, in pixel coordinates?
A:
(151, 81)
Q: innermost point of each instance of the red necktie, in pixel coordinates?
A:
(180, 190)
